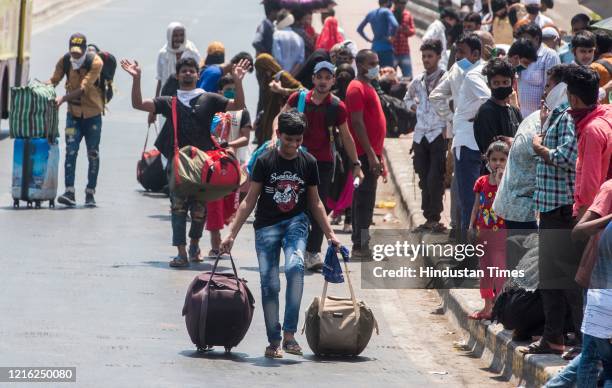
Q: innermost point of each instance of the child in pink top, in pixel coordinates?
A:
(489, 228)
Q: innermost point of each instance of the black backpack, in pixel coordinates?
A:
(520, 309)
(105, 82)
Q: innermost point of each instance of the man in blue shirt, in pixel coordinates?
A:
(384, 25)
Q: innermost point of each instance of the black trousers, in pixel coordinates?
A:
(364, 199)
(430, 165)
(315, 237)
(557, 265)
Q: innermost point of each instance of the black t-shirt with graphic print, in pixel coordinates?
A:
(285, 184)
(193, 122)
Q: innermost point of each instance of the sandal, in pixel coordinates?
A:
(195, 255)
(347, 228)
(540, 347)
(273, 351)
(179, 262)
(292, 347)
(478, 315)
(571, 353)
(213, 253)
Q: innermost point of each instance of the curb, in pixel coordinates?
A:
(486, 340)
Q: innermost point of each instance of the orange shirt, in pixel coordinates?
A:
(604, 74)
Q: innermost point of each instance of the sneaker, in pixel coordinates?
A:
(90, 201)
(313, 261)
(67, 199)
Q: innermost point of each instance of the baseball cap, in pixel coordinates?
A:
(324, 65)
(77, 43)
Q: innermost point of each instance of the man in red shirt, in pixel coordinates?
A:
(368, 126)
(594, 130)
(324, 113)
(401, 48)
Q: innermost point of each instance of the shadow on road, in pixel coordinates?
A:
(240, 357)
(199, 267)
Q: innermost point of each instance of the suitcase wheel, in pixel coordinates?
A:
(52, 204)
(29, 204)
(228, 349)
(37, 205)
(16, 203)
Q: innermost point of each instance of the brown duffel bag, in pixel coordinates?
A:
(339, 326)
(218, 309)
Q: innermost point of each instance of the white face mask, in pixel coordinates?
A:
(77, 63)
(373, 72)
(556, 96)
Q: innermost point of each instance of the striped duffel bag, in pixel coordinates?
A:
(33, 112)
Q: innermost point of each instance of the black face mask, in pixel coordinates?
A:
(501, 93)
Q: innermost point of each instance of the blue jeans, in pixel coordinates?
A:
(593, 350)
(405, 64)
(291, 235)
(76, 130)
(385, 58)
(467, 170)
(582, 370)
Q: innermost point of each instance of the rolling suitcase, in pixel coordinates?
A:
(35, 169)
(218, 309)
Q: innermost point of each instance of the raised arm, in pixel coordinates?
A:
(238, 73)
(133, 69)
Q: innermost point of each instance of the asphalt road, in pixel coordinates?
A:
(91, 288)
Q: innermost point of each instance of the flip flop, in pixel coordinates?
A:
(540, 347)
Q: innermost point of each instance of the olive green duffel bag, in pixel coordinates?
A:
(337, 326)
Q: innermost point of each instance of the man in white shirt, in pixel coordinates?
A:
(288, 47)
(473, 93)
(437, 30)
(468, 45)
(428, 142)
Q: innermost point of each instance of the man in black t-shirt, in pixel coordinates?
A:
(283, 186)
(195, 111)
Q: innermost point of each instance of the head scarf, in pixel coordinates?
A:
(330, 35)
(304, 74)
(187, 48)
(267, 69)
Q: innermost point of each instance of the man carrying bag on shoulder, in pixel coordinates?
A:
(194, 111)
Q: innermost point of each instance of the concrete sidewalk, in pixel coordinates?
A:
(486, 339)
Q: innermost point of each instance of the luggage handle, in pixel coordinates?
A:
(204, 306)
(352, 292)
